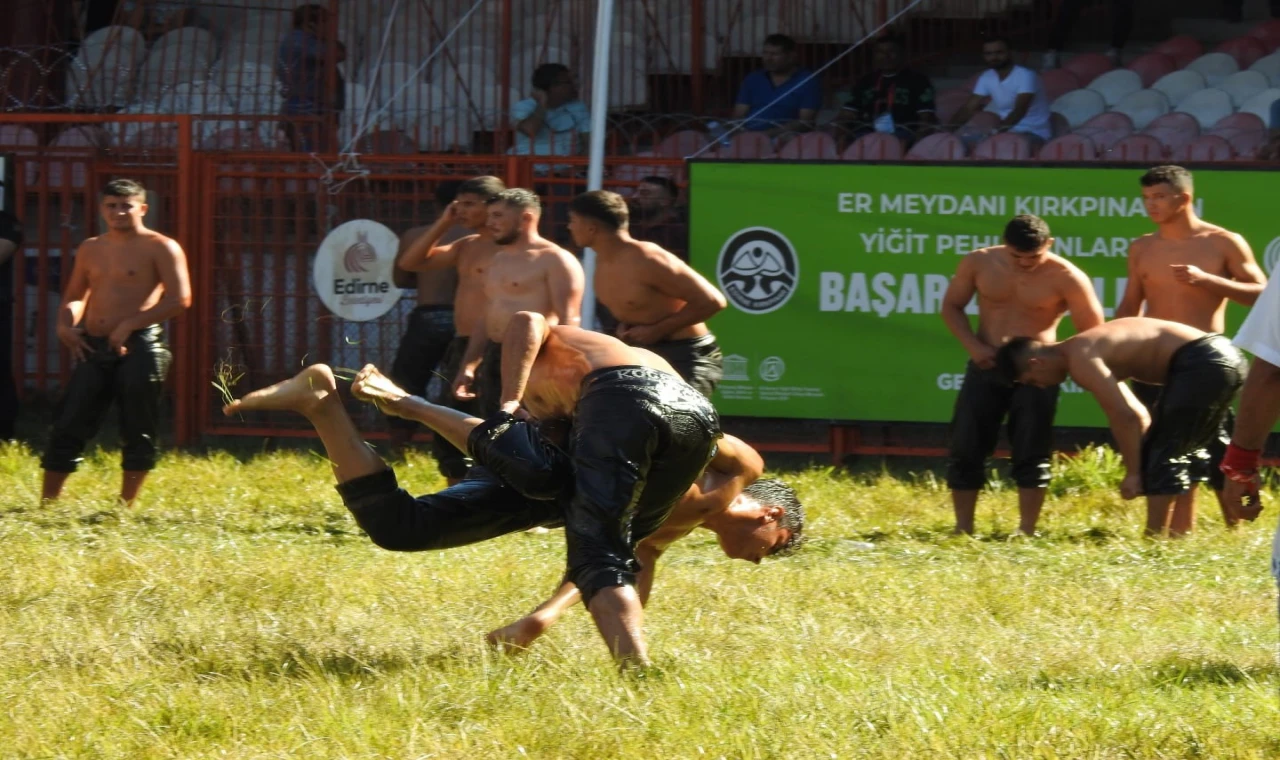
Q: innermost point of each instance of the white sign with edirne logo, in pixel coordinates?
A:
(353, 270)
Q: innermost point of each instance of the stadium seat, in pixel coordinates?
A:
(1057, 82)
(12, 135)
(1244, 131)
(444, 130)
(1142, 148)
(166, 68)
(1058, 124)
(1143, 107)
(1069, 148)
(1005, 146)
(187, 40)
(1268, 33)
(950, 101)
(1208, 106)
(1205, 148)
(1115, 85)
(1089, 66)
(876, 146)
(747, 145)
(1214, 67)
(1079, 106)
(979, 126)
(1260, 105)
(1179, 85)
(939, 146)
(1243, 85)
(681, 144)
(1268, 67)
(1152, 66)
(102, 71)
(812, 146)
(1245, 50)
(1174, 130)
(1106, 129)
(1183, 49)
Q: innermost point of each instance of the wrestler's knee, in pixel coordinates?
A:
(592, 579)
(1032, 473)
(1165, 478)
(63, 454)
(139, 453)
(965, 473)
(515, 451)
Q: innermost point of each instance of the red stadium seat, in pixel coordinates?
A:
(940, 146)
(1089, 66)
(951, 101)
(1058, 124)
(1069, 148)
(1106, 129)
(1245, 133)
(1143, 148)
(1174, 130)
(1268, 33)
(1183, 49)
(810, 145)
(1205, 148)
(681, 144)
(1246, 50)
(1058, 82)
(1006, 146)
(876, 146)
(1152, 66)
(747, 145)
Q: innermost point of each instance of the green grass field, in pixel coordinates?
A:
(237, 612)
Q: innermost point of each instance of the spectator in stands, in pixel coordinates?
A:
(655, 217)
(10, 242)
(893, 99)
(1013, 92)
(798, 93)
(1069, 11)
(302, 62)
(551, 122)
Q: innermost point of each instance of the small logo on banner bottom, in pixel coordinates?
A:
(758, 270)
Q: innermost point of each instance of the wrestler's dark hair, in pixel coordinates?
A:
(447, 192)
(544, 77)
(305, 13)
(520, 198)
(1173, 176)
(663, 182)
(602, 206)
(124, 188)
(775, 493)
(486, 187)
(782, 42)
(1027, 233)
(1012, 358)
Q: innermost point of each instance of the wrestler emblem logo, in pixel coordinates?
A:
(772, 369)
(758, 270)
(360, 256)
(1272, 256)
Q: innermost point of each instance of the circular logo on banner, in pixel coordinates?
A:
(1272, 256)
(758, 270)
(352, 270)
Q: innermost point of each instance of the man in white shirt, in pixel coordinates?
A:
(1014, 93)
(554, 120)
(1259, 410)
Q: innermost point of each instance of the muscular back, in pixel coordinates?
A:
(1132, 347)
(123, 278)
(544, 279)
(1013, 303)
(1151, 268)
(568, 355)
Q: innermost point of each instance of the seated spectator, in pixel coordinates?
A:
(1015, 94)
(552, 121)
(893, 100)
(656, 218)
(302, 61)
(798, 96)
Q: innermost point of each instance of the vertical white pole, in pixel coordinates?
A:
(595, 169)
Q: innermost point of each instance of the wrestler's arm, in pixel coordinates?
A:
(566, 283)
(1131, 304)
(1082, 301)
(1127, 417)
(1259, 409)
(423, 255)
(1246, 281)
(76, 295)
(675, 279)
(477, 341)
(526, 332)
(959, 292)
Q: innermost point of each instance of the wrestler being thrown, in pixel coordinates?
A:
(639, 438)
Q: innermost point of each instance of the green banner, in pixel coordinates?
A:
(835, 272)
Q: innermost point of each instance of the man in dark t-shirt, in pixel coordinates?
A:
(892, 99)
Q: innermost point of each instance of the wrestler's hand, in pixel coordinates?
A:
(640, 335)
(117, 338)
(1243, 500)
(462, 384)
(373, 386)
(1131, 486)
(1188, 274)
(983, 356)
(73, 339)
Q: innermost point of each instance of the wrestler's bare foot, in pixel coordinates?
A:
(520, 634)
(304, 393)
(373, 386)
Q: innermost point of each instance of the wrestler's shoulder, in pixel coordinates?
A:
(1221, 236)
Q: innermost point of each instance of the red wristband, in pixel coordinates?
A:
(1240, 464)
